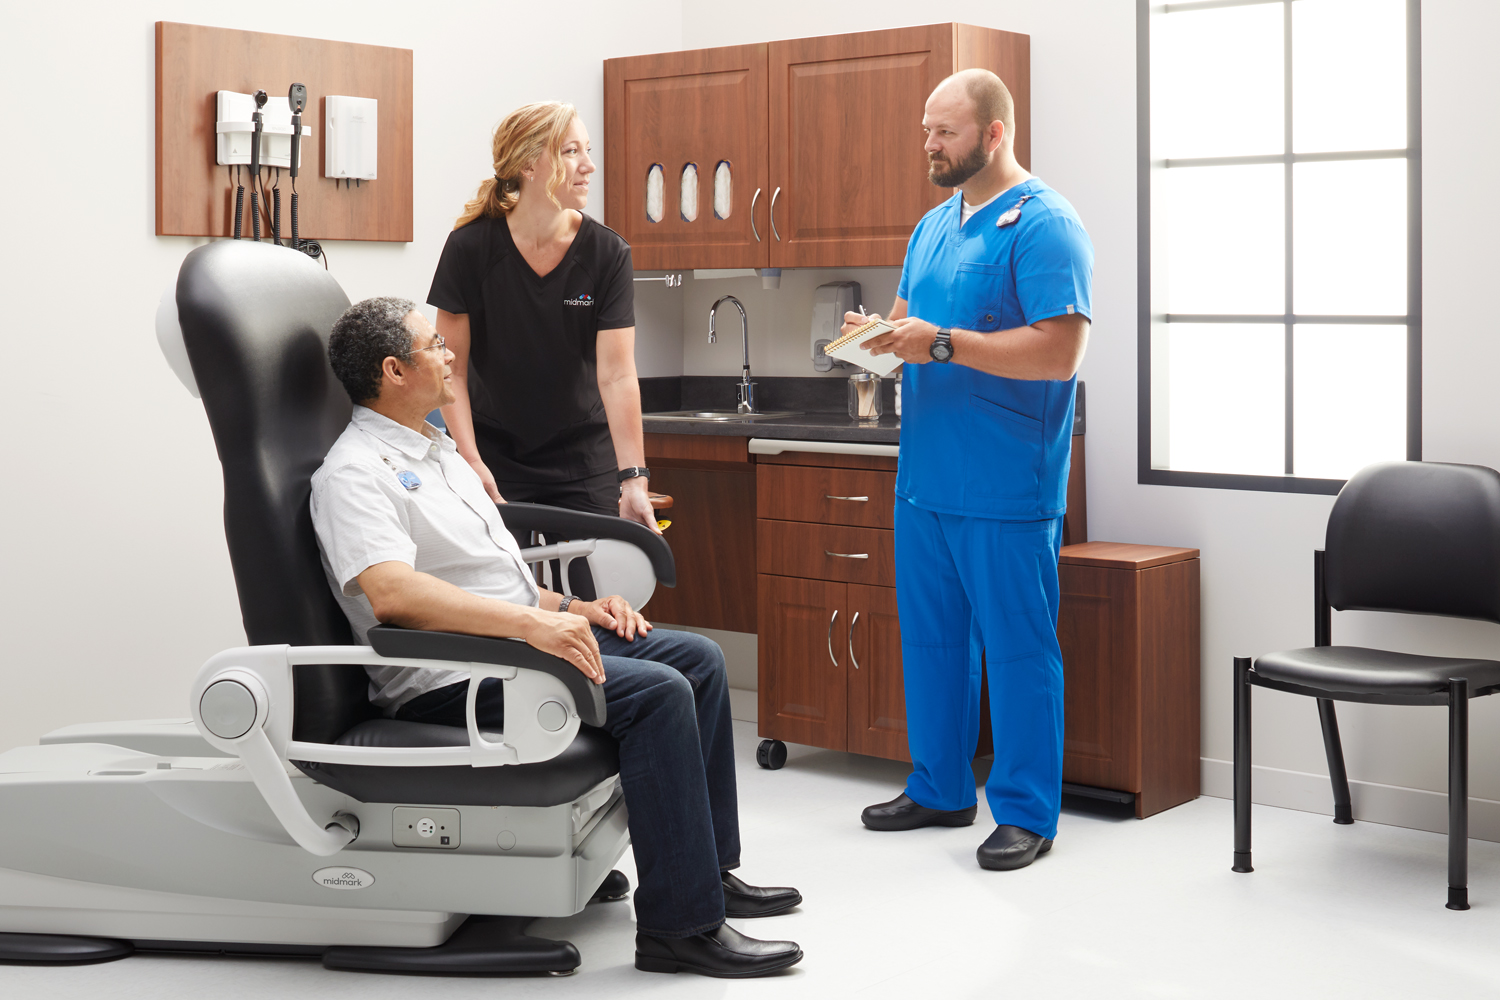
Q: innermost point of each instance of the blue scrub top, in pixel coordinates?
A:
(972, 443)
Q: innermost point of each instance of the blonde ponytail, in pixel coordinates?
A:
(523, 136)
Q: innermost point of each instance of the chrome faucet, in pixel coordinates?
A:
(746, 387)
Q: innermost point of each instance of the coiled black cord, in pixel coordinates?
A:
(239, 209)
(276, 216)
(296, 240)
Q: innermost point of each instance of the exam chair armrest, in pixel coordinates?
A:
(577, 524)
(397, 642)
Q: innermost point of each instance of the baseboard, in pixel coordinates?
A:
(1393, 805)
(744, 706)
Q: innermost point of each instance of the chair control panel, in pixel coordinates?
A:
(424, 826)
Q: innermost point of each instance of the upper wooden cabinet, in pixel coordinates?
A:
(682, 111)
(821, 136)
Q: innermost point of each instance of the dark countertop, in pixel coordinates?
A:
(804, 427)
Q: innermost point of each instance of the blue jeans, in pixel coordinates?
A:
(966, 585)
(667, 702)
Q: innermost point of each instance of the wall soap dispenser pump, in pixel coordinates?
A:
(350, 150)
(830, 302)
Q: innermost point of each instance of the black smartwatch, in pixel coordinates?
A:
(633, 471)
(941, 350)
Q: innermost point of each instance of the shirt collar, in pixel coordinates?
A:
(1008, 197)
(412, 444)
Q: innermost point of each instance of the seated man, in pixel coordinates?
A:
(410, 538)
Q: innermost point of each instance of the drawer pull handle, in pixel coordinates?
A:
(831, 620)
(855, 499)
(853, 622)
(847, 555)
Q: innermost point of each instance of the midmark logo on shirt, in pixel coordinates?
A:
(582, 300)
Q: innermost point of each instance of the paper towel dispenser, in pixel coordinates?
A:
(830, 302)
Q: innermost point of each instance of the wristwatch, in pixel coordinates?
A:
(633, 471)
(941, 350)
(562, 605)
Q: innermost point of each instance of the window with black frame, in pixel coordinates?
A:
(1280, 241)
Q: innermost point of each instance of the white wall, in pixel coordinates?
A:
(116, 579)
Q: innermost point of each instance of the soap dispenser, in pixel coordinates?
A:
(830, 302)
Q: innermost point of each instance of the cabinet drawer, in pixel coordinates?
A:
(859, 497)
(800, 549)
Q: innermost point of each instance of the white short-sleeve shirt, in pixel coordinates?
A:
(388, 493)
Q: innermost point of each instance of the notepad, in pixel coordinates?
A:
(849, 348)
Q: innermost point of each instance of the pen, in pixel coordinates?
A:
(862, 311)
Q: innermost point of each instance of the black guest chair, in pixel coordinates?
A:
(1412, 537)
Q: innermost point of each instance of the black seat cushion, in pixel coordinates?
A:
(592, 757)
(1378, 676)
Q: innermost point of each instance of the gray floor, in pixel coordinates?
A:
(1121, 908)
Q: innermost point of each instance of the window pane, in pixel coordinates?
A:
(1226, 248)
(1349, 237)
(1226, 387)
(1216, 86)
(1350, 398)
(1348, 75)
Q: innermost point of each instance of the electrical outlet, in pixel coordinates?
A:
(420, 826)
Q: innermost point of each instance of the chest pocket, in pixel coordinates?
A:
(981, 293)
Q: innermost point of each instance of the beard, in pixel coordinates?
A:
(947, 173)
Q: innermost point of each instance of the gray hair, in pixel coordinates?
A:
(367, 334)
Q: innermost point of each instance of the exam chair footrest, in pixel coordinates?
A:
(481, 946)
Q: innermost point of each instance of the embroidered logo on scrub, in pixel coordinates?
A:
(582, 300)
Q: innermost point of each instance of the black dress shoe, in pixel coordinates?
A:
(722, 952)
(744, 900)
(1011, 847)
(901, 813)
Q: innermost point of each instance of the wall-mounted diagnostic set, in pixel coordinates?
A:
(264, 134)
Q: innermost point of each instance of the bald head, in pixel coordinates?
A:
(986, 95)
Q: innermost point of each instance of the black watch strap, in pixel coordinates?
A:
(633, 472)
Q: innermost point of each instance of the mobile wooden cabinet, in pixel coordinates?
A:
(830, 645)
(821, 136)
(1129, 629)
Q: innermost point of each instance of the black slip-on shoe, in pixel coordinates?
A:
(723, 952)
(901, 813)
(744, 900)
(1011, 847)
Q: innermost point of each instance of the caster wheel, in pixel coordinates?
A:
(771, 754)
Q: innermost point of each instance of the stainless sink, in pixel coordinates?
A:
(719, 415)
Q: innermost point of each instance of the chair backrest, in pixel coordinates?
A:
(1416, 537)
(255, 321)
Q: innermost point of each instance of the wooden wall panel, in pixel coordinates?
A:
(195, 196)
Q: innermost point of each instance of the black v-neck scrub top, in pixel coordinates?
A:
(533, 374)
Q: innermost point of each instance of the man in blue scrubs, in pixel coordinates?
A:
(992, 317)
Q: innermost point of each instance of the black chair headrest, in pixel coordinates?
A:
(1416, 537)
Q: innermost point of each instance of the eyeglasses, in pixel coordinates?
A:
(436, 345)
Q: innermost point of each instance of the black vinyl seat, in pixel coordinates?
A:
(255, 321)
(1408, 537)
(1374, 676)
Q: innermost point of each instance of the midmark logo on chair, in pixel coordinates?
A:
(582, 300)
(343, 878)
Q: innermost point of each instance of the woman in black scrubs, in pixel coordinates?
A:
(537, 302)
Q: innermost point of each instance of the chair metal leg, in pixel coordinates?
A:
(1458, 793)
(1242, 764)
(1342, 811)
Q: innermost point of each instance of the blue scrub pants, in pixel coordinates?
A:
(962, 584)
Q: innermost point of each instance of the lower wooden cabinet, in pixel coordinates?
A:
(830, 666)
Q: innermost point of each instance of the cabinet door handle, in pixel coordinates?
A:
(853, 622)
(753, 199)
(774, 195)
(855, 499)
(835, 618)
(847, 555)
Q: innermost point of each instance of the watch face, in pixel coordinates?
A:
(941, 350)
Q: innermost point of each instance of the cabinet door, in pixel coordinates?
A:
(702, 107)
(803, 652)
(846, 144)
(1098, 630)
(713, 542)
(877, 697)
